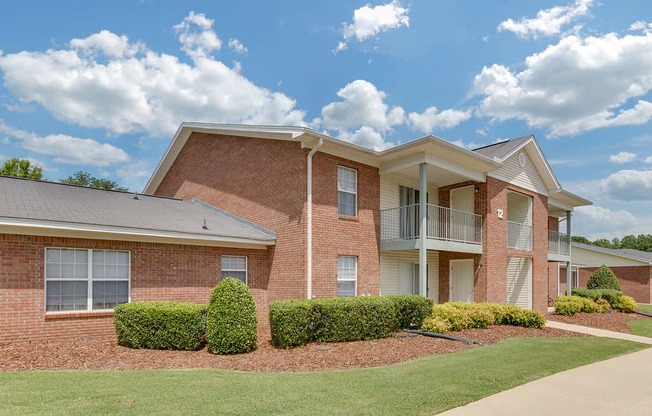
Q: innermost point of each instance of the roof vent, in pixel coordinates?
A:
(135, 195)
(205, 227)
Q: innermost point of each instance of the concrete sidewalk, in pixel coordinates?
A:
(618, 386)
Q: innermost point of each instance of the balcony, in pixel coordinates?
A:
(558, 246)
(447, 229)
(519, 236)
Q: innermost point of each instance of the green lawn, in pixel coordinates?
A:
(645, 307)
(428, 385)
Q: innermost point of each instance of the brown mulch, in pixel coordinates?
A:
(107, 355)
(612, 321)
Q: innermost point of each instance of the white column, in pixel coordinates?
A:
(423, 229)
(568, 263)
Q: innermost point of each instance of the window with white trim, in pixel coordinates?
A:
(84, 280)
(347, 191)
(347, 276)
(235, 266)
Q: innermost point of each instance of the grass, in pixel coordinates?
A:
(645, 307)
(428, 385)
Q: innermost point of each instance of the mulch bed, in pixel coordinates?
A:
(107, 355)
(613, 321)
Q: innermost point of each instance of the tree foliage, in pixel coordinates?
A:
(21, 168)
(642, 242)
(82, 178)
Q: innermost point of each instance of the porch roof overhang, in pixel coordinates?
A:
(563, 201)
(446, 163)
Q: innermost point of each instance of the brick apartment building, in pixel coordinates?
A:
(293, 213)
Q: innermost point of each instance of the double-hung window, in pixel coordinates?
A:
(347, 191)
(235, 266)
(347, 276)
(84, 280)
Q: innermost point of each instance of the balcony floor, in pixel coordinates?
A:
(431, 244)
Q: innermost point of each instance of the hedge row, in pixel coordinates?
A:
(160, 325)
(570, 305)
(610, 295)
(294, 323)
(456, 316)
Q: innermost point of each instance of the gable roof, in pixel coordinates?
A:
(503, 149)
(47, 208)
(628, 253)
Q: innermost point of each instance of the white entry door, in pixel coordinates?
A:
(461, 280)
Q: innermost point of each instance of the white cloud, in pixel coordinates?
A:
(622, 157)
(68, 149)
(125, 87)
(641, 26)
(362, 105)
(237, 46)
(370, 21)
(557, 89)
(431, 120)
(628, 185)
(548, 22)
(648, 159)
(595, 222)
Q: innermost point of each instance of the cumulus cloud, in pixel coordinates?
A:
(648, 159)
(557, 89)
(431, 119)
(362, 105)
(370, 21)
(68, 149)
(595, 222)
(628, 185)
(237, 46)
(622, 157)
(109, 82)
(548, 22)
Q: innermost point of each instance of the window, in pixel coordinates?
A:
(235, 266)
(347, 188)
(82, 280)
(347, 272)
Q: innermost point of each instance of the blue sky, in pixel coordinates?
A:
(102, 86)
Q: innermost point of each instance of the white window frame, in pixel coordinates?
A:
(223, 270)
(89, 279)
(354, 193)
(355, 275)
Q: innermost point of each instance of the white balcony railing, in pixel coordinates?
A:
(402, 223)
(519, 236)
(558, 243)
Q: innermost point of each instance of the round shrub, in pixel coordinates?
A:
(231, 324)
(589, 306)
(603, 278)
(603, 305)
(411, 310)
(625, 304)
(436, 325)
(568, 305)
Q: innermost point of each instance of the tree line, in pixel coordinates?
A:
(23, 168)
(642, 242)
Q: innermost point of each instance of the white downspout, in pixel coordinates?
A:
(309, 213)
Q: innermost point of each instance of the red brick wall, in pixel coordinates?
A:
(553, 224)
(552, 279)
(634, 280)
(264, 181)
(158, 272)
(491, 269)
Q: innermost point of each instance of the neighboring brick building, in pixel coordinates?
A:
(294, 213)
(633, 268)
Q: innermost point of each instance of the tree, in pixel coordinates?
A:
(580, 239)
(21, 168)
(602, 242)
(82, 178)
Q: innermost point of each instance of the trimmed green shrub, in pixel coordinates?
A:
(625, 304)
(290, 323)
(160, 325)
(588, 305)
(352, 319)
(463, 315)
(514, 315)
(411, 310)
(231, 324)
(610, 295)
(603, 305)
(603, 278)
(435, 324)
(568, 305)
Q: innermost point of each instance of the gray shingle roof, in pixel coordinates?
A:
(501, 149)
(58, 203)
(623, 252)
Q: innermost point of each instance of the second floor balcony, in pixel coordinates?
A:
(558, 246)
(519, 236)
(446, 229)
